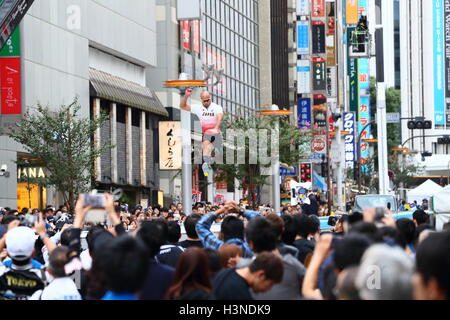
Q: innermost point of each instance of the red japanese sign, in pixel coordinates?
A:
(11, 102)
(186, 26)
(318, 8)
(196, 31)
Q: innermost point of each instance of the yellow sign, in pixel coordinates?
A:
(170, 149)
(352, 11)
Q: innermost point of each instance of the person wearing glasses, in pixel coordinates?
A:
(211, 116)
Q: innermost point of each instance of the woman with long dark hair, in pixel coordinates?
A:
(191, 280)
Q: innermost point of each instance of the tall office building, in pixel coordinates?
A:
(425, 84)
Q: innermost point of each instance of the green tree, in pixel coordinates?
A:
(63, 141)
(251, 176)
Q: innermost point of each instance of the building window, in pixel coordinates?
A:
(135, 117)
(121, 111)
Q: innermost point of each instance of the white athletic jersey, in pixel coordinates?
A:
(208, 116)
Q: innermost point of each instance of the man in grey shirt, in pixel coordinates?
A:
(261, 237)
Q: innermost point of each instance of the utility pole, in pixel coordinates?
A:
(342, 94)
(381, 103)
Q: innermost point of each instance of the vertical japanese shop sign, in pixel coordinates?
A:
(439, 66)
(318, 8)
(351, 12)
(186, 27)
(363, 120)
(303, 7)
(303, 76)
(303, 37)
(10, 76)
(319, 74)
(350, 138)
(196, 30)
(318, 37)
(304, 113)
(447, 53)
(170, 145)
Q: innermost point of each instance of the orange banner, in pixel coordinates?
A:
(318, 8)
(352, 11)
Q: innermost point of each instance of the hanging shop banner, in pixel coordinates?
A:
(304, 113)
(363, 74)
(447, 52)
(10, 76)
(351, 12)
(331, 50)
(331, 18)
(186, 26)
(303, 37)
(319, 74)
(331, 81)
(303, 8)
(362, 8)
(318, 8)
(353, 87)
(438, 48)
(320, 112)
(303, 76)
(350, 138)
(318, 37)
(196, 30)
(11, 102)
(363, 120)
(170, 145)
(12, 46)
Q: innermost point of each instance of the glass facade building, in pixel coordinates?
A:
(229, 33)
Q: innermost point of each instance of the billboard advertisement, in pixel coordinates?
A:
(318, 8)
(304, 113)
(363, 74)
(10, 76)
(447, 52)
(363, 120)
(303, 76)
(318, 37)
(319, 74)
(303, 7)
(331, 81)
(186, 26)
(303, 37)
(350, 138)
(439, 67)
(351, 11)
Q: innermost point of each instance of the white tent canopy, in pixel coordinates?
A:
(441, 200)
(425, 191)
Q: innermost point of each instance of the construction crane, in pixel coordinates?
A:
(11, 14)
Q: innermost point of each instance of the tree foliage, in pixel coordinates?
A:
(251, 176)
(63, 141)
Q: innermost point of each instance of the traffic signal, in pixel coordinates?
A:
(324, 168)
(444, 140)
(419, 124)
(305, 172)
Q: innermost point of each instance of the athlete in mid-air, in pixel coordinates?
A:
(211, 116)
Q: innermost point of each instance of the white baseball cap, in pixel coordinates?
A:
(20, 243)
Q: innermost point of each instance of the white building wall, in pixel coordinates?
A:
(417, 80)
(55, 40)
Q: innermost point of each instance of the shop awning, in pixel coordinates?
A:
(106, 86)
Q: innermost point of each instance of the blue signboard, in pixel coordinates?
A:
(286, 173)
(439, 60)
(304, 113)
(303, 37)
(350, 138)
